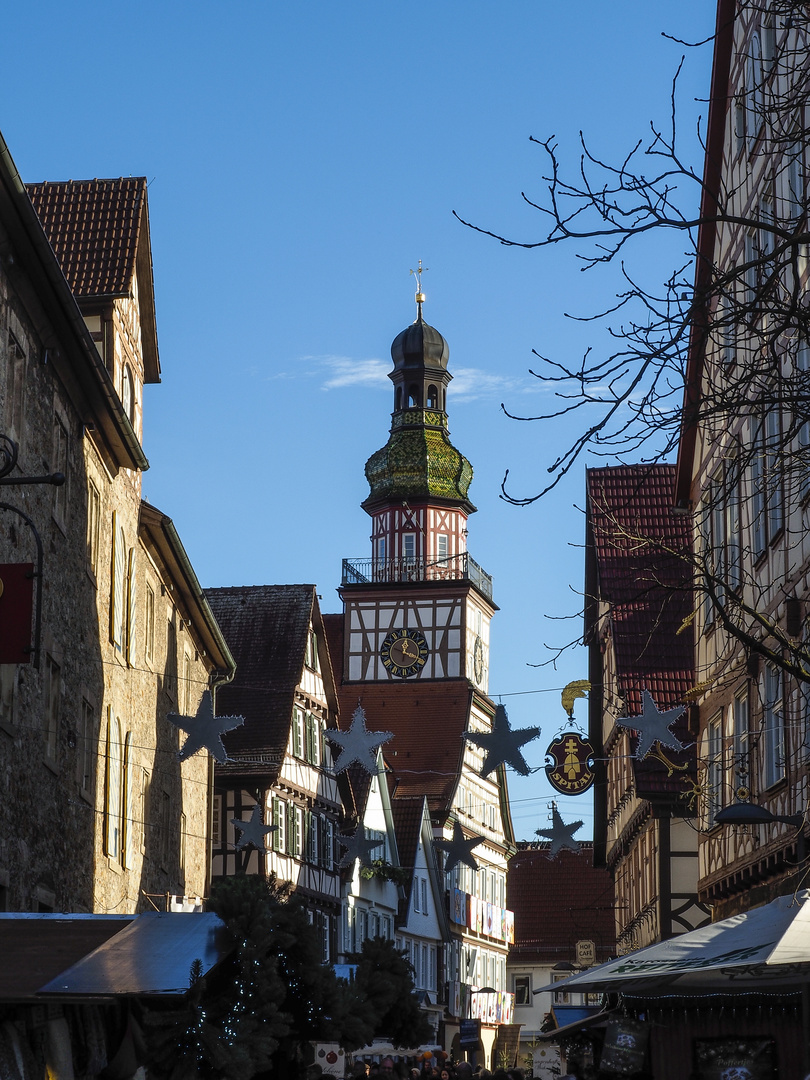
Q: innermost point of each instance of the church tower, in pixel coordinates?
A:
(419, 607)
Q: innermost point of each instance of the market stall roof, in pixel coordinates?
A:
(105, 956)
(766, 948)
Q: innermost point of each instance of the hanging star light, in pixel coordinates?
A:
(358, 744)
(560, 834)
(502, 744)
(204, 730)
(458, 849)
(252, 831)
(653, 726)
(358, 846)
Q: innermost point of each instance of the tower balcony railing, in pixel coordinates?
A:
(460, 567)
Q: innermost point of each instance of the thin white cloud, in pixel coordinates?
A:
(344, 371)
(474, 384)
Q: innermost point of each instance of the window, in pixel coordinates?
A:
(216, 820)
(754, 91)
(128, 393)
(60, 464)
(280, 822)
(409, 547)
(298, 733)
(146, 787)
(16, 388)
(165, 829)
(183, 846)
(131, 599)
(170, 681)
(313, 737)
(442, 547)
(126, 802)
(766, 484)
(313, 846)
(118, 598)
(188, 685)
(311, 658)
(296, 830)
(773, 720)
(714, 768)
(8, 680)
(740, 738)
(561, 997)
(328, 843)
(53, 694)
(149, 624)
(113, 793)
(793, 182)
(424, 895)
(87, 747)
(432, 398)
(93, 525)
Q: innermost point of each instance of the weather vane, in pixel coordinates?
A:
(420, 296)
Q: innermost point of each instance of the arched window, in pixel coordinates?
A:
(398, 399)
(413, 397)
(432, 398)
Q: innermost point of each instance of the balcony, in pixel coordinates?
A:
(389, 571)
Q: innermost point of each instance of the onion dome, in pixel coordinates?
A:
(419, 461)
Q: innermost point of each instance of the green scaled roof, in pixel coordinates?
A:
(418, 463)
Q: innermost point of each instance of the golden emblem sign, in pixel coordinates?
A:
(569, 763)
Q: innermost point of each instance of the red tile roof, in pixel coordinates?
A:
(558, 902)
(93, 227)
(641, 552)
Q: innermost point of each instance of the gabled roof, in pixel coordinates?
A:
(265, 627)
(639, 563)
(558, 902)
(99, 232)
(77, 360)
(159, 536)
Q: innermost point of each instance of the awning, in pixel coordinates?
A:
(152, 955)
(86, 956)
(570, 1024)
(767, 948)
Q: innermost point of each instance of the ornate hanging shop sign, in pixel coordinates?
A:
(569, 763)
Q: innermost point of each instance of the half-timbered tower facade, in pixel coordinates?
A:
(413, 643)
(279, 763)
(637, 628)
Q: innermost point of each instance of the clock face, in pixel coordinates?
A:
(478, 660)
(404, 652)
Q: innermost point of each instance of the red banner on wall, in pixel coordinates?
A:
(16, 609)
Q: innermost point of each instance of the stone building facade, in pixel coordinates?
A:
(97, 814)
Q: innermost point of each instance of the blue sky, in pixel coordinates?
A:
(301, 159)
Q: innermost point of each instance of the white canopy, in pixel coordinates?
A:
(766, 948)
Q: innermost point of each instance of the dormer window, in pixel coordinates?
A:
(413, 397)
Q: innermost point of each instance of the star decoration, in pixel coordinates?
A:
(252, 831)
(502, 744)
(653, 726)
(358, 744)
(458, 849)
(204, 730)
(560, 834)
(358, 846)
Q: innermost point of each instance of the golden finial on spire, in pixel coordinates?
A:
(420, 296)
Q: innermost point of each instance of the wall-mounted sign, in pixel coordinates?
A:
(569, 763)
(16, 610)
(585, 953)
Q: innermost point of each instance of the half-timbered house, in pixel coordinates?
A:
(280, 765)
(638, 610)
